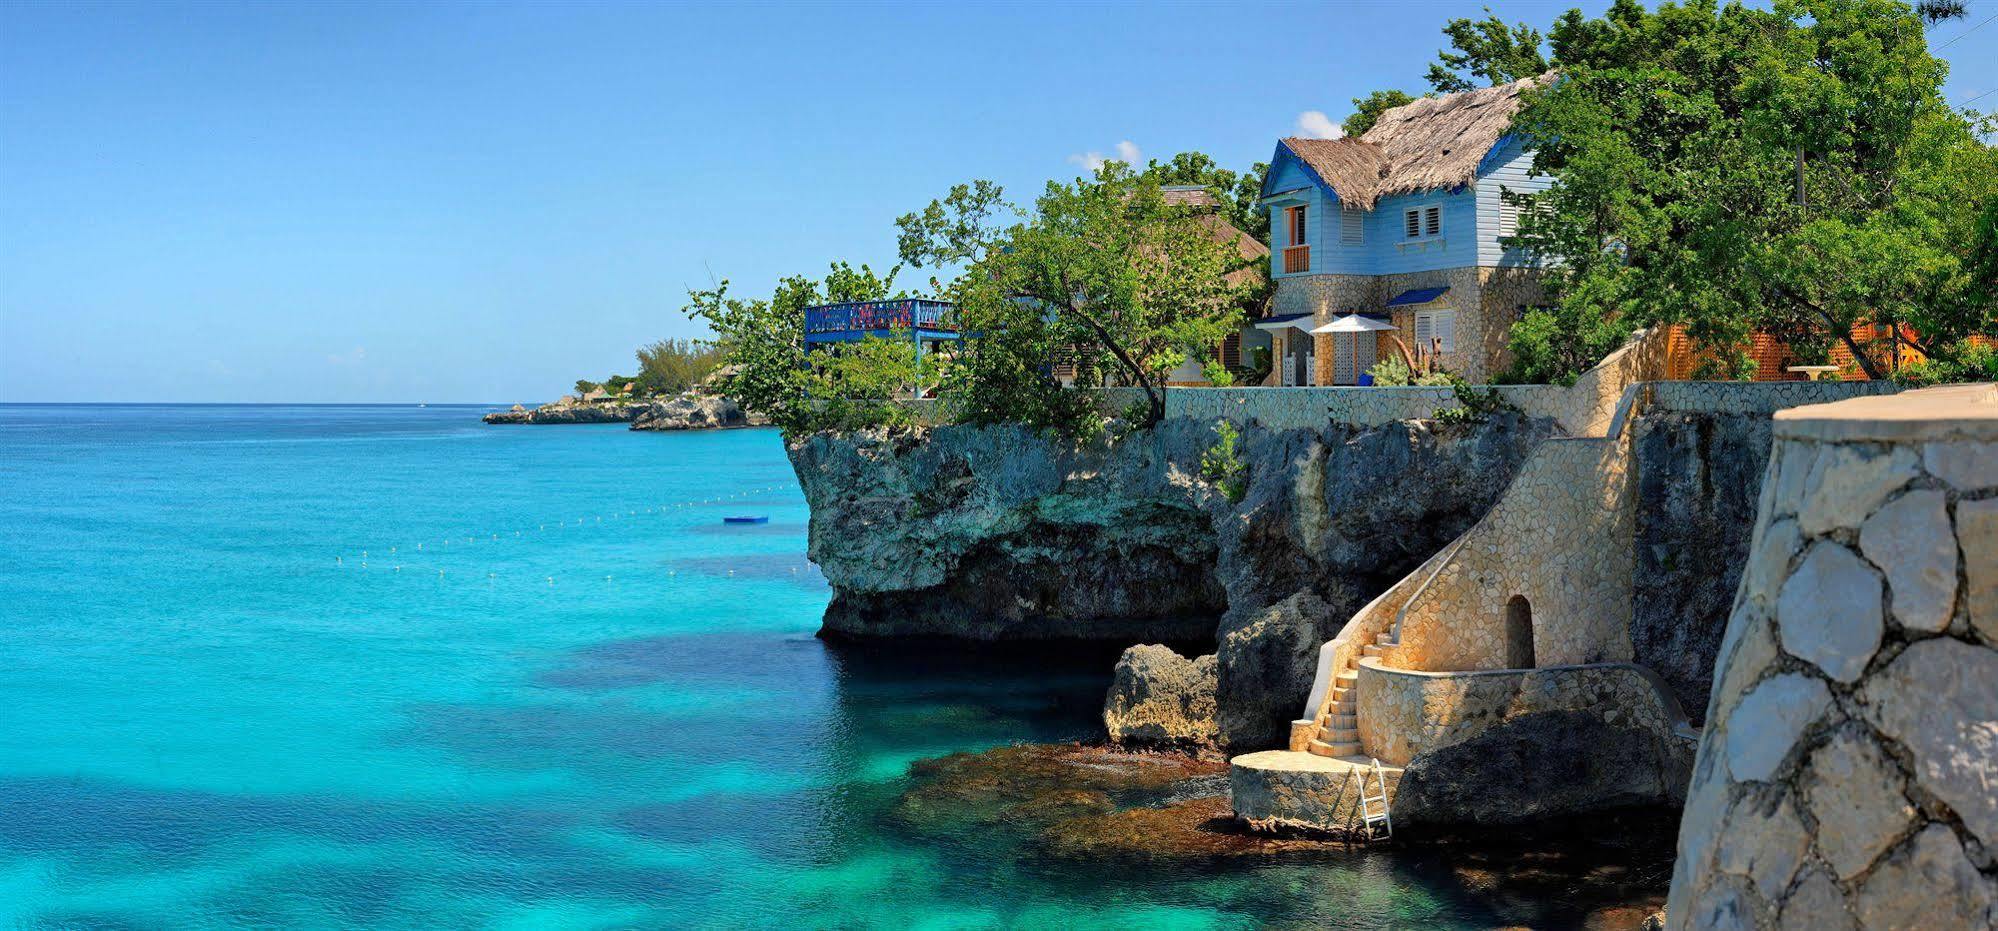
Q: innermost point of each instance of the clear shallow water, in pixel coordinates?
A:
(208, 721)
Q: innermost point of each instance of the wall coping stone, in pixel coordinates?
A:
(1950, 412)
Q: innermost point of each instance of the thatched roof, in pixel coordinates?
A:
(1189, 195)
(1435, 142)
(1246, 246)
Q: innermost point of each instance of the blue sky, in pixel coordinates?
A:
(481, 202)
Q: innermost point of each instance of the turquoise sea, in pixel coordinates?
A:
(390, 667)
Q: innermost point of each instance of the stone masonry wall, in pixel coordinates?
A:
(1560, 538)
(1404, 714)
(1848, 773)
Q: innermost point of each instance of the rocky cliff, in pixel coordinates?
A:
(688, 411)
(692, 412)
(994, 533)
(1698, 476)
(606, 412)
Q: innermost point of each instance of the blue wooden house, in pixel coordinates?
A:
(1405, 226)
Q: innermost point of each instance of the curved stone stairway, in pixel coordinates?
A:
(1338, 722)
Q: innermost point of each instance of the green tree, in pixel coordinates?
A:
(1240, 193)
(671, 366)
(1133, 285)
(762, 343)
(1367, 110)
(1486, 50)
(1792, 169)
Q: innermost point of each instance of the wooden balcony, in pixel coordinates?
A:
(1296, 259)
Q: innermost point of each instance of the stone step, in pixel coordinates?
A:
(1340, 693)
(1373, 649)
(1386, 639)
(1341, 748)
(1339, 735)
(1343, 708)
(1347, 678)
(1342, 720)
(1320, 748)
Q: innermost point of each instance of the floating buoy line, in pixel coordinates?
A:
(393, 563)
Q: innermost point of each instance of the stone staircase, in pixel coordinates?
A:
(1338, 721)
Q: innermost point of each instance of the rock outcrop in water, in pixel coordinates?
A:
(1000, 533)
(690, 411)
(606, 412)
(1161, 699)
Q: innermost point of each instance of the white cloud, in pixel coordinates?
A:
(1314, 124)
(1125, 151)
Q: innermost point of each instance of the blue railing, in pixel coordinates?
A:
(907, 314)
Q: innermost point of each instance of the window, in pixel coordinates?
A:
(1297, 226)
(1352, 227)
(1508, 216)
(1422, 222)
(1436, 331)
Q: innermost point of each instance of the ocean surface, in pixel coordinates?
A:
(391, 667)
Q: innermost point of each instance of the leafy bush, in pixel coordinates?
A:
(1478, 403)
(1963, 362)
(1223, 463)
(1555, 345)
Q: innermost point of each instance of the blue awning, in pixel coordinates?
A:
(1417, 296)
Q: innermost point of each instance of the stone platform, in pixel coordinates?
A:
(1285, 789)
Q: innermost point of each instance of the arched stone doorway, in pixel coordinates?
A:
(1518, 633)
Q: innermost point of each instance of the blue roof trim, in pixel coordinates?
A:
(1286, 318)
(1417, 296)
(1282, 152)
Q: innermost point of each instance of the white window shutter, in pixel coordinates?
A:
(1352, 226)
(1434, 221)
(1413, 220)
(1445, 327)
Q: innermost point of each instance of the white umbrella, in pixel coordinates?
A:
(1354, 323)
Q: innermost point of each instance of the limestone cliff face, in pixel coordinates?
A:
(1698, 476)
(994, 533)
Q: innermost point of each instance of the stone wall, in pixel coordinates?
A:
(1848, 773)
(1560, 540)
(1405, 714)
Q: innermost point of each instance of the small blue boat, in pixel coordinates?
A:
(745, 520)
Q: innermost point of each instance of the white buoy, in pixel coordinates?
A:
(419, 546)
(551, 580)
(398, 568)
(336, 560)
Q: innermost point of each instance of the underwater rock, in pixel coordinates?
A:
(1032, 785)
(1161, 699)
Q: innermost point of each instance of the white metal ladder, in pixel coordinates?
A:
(1379, 824)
